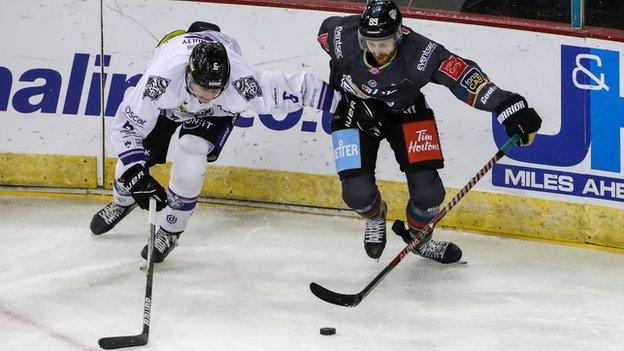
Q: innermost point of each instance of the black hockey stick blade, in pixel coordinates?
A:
(119, 342)
(334, 297)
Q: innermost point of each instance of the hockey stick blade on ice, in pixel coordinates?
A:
(118, 342)
(352, 300)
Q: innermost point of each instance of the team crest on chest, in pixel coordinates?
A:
(155, 87)
(248, 87)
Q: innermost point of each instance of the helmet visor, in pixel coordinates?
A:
(203, 95)
(389, 42)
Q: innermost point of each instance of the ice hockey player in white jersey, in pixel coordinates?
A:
(199, 80)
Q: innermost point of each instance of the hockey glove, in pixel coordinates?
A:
(355, 112)
(142, 185)
(517, 118)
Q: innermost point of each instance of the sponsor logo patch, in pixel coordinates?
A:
(473, 80)
(130, 115)
(248, 87)
(338, 42)
(421, 141)
(426, 54)
(347, 149)
(511, 110)
(155, 87)
(486, 96)
(323, 40)
(453, 67)
(197, 122)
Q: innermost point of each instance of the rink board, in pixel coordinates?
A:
(499, 214)
(567, 187)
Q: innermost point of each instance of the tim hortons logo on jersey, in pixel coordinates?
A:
(248, 87)
(453, 67)
(473, 80)
(155, 87)
(338, 42)
(323, 40)
(421, 141)
(426, 54)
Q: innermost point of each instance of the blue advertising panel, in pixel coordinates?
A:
(592, 114)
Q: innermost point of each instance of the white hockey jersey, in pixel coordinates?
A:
(163, 87)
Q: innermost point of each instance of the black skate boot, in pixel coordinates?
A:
(375, 234)
(108, 217)
(164, 243)
(437, 250)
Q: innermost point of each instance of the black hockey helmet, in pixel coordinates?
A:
(200, 26)
(381, 20)
(209, 66)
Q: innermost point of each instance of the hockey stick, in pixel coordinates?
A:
(352, 300)
(118, 342)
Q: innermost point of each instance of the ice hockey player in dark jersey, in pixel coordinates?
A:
(377, 59)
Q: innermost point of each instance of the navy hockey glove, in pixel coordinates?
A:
(355, 112)
(517, 118)
(142, 185)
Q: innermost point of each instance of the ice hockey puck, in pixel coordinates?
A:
(328, 331)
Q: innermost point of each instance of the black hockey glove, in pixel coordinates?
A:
(142, 185)
(517, 118)
(355, 112)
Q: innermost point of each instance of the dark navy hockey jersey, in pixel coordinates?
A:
(418, 61)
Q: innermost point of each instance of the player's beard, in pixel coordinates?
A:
(381, 59)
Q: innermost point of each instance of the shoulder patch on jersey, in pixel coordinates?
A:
(473, 80)
(426, 54)
(453, 67)
(155, 87)
(338, 42)
(248, 87)
(323, 40)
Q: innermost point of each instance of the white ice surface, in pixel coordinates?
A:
(239, 281)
